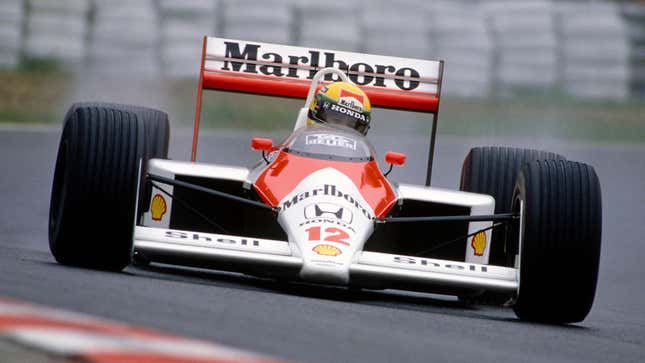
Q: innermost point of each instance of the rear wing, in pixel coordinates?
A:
(287, 71)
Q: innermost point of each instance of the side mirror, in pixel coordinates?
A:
(395, 158)
(261, 144)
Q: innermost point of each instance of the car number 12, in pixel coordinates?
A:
(332, 234)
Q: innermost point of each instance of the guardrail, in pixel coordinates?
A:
(589, 49)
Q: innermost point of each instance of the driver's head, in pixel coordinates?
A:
(341, 103)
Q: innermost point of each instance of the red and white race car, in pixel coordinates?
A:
(524, 229)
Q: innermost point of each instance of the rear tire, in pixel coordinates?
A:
(95, 181)
(560, 240)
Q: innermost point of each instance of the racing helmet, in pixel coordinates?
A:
(341, 103)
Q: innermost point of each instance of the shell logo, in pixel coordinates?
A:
(158, 207)
(478, 243)
(327, 250)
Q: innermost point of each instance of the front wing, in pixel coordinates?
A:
(274, 259)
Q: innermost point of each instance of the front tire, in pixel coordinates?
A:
(560, 233)
(493, 170)
(95, 181)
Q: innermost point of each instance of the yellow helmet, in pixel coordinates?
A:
(341, 103)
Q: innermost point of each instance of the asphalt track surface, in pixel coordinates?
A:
(320, 324)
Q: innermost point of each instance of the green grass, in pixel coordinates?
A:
(233, 110)
(40, 93)
(538, 116)
(37, 93)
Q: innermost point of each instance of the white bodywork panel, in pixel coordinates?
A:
(213, 240)
(327, 222)
(379, 269)
(170, 168)
(480, 204)
(326, 242)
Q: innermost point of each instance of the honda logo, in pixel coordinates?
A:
(329, 210)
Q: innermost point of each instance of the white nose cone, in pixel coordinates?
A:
(327, 221)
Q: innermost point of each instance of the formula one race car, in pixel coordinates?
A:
(524, 229)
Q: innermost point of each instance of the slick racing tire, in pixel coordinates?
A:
(493, 170)
(92, 208)
(559, 240)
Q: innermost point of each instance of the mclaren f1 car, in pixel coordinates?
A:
(523, 229)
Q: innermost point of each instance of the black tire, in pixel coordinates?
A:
(139, 260)
(95, 181)
(560, 240)
(493, 170)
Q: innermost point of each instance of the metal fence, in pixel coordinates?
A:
(589, 49)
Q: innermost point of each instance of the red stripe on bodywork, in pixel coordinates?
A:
(288, 170)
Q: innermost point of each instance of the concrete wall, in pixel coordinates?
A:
(588, 49)
(634, 15)
(11, 33)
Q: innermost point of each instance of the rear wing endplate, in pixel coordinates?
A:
(287, 71)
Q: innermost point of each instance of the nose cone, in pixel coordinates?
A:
(327, 221)
(328, 248)
(316, 272)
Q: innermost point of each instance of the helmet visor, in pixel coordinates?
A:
(336, 114)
